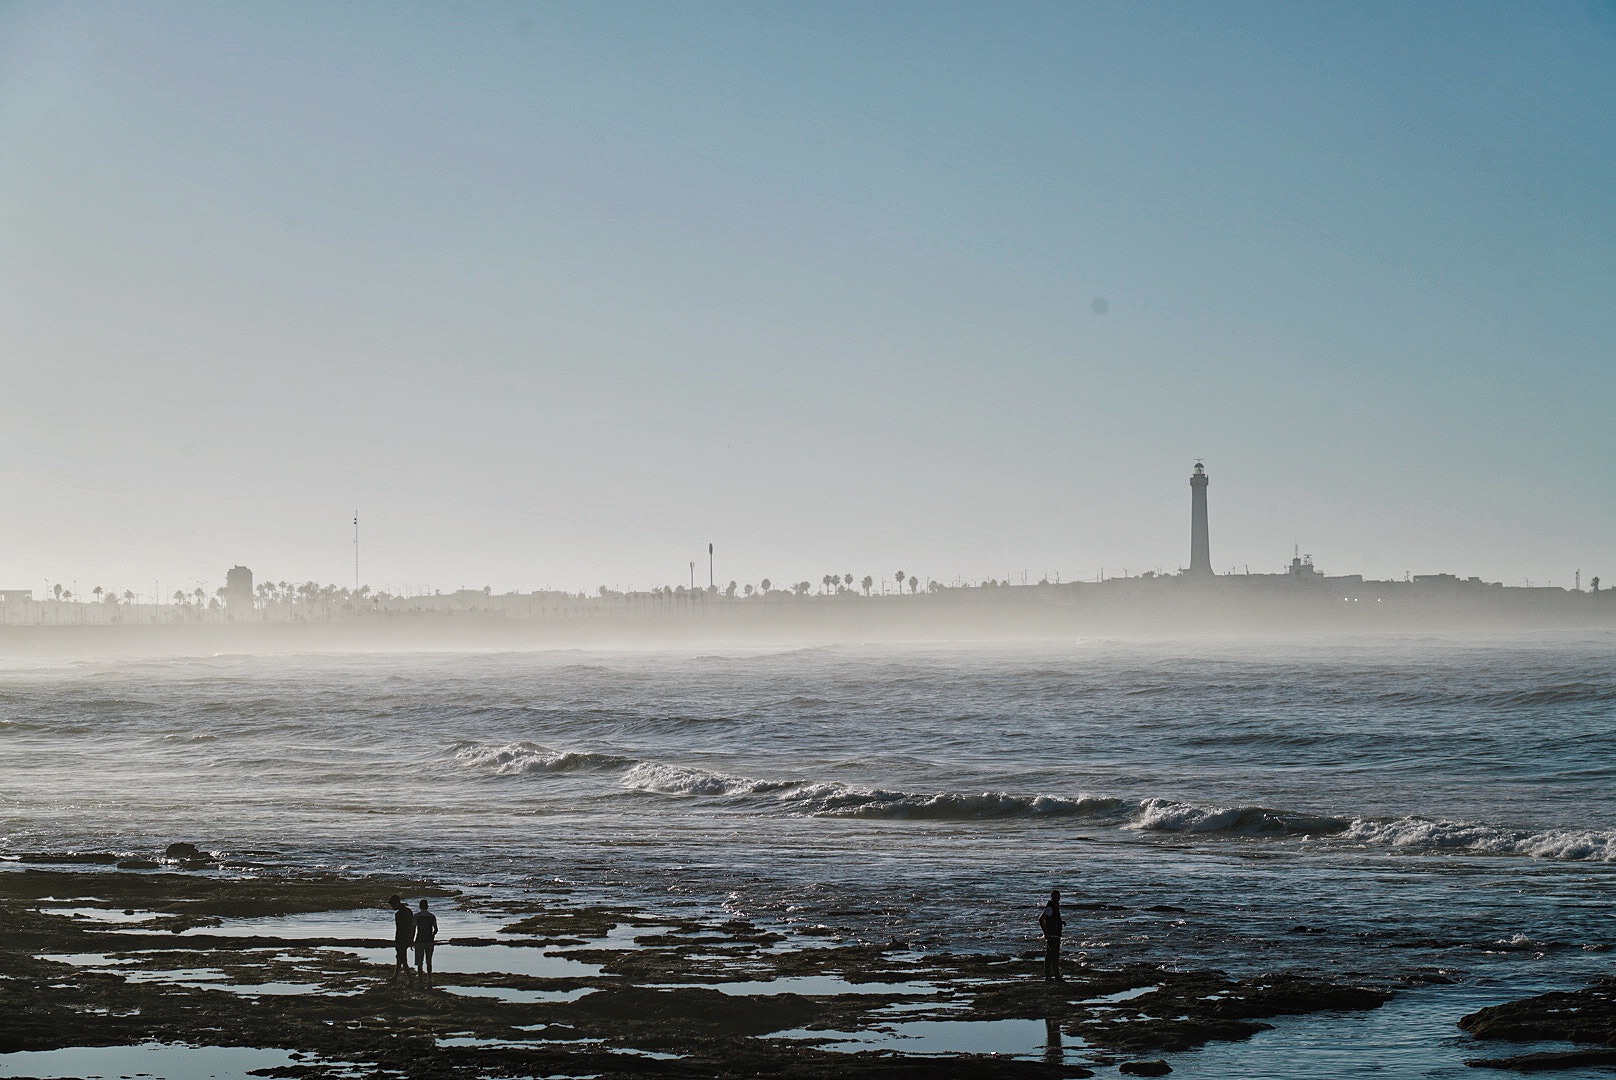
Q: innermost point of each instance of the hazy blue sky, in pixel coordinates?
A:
(557, 294)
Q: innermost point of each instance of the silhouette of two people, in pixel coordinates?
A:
(412, 929)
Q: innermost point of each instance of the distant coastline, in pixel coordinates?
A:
(1149, 605)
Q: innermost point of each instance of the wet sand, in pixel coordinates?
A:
(97, 956)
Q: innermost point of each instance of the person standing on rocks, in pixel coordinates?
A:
(403, 937)
(1051, 923)
(426, 936)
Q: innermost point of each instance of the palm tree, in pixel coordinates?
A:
(748, 590)
(179, 596)
(867, 582)
(900, 581)
(56, 590)
(98, 590)
(765, 583)
(848, 579)
(913, 583)
(128, 596)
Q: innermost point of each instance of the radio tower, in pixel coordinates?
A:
(1200, 556)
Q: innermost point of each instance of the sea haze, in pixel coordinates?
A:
(1385, 808)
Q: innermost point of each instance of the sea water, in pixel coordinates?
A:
(1434, 811)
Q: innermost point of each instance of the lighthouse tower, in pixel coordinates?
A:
(1200, 557)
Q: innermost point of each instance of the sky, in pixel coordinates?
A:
(557, 295)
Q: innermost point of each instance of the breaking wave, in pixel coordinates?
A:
(810, 799)
(838, 801)
(515, 759)
(830, 799)
(1459, 837)
(675, 780)
(1162, 815)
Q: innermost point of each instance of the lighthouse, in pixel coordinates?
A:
(1200, 557)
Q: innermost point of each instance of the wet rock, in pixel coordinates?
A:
(658, 993)
(694, 1007)
(183, 852)
(86, 857)
(1583, 1016)
(1157, 1067)
(1548, 1062)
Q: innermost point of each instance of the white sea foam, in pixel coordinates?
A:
(524, 757)
(838, 801)
(676, 780)
(1423, 834)
(1164, 815)
(811, 799)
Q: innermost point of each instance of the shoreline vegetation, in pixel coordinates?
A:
(99, 955)
(331, 619)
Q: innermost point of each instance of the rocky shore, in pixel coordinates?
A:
(101, 956)
(1586, 1016)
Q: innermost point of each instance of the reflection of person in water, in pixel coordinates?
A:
(426, 936)
(403, 936)
(1051, 923)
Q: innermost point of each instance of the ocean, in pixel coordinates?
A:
(1433, 812)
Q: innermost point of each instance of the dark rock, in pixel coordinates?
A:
(1145, 1068)
(183, 852)
(693, 1007)
(88, 857)
(659, 997)
(1547, 1062)
(1293, 995)
(1584, 1016)
(1172, 1035)
(138, 864)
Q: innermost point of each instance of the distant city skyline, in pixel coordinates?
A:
(557, 296)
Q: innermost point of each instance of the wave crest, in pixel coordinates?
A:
(515, 759)
(1163, 815)
(676, 780)
(840, 801)
(835, 800)
(1424, 834)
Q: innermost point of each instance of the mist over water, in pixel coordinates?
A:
(1382, 807)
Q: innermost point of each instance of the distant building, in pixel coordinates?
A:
(26, 596)
(238, 591)
(1302, 569)
(1200, 552)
